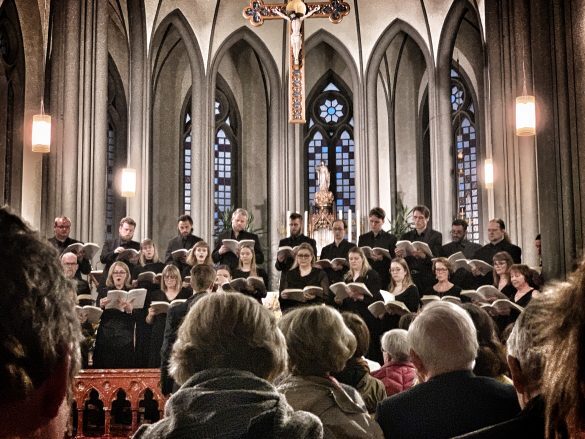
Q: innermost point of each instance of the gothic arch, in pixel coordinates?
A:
(412, 38)
(176, 66)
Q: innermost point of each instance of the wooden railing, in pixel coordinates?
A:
(107, 383)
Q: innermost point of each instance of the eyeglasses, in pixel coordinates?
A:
(118, 272)
(500, 263)
(303, 255)
(441, 269)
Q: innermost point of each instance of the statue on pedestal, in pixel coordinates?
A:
(323, 197)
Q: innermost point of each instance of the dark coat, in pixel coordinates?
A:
(230, 259)
(293, 241)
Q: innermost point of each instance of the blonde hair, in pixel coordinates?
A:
(253, 268)
(304, 246)
(155, 257)
(172, 270)
(228, 330)
(407, 277)
(318, 340)
(127, 280)
(192, 259)
(365, 264)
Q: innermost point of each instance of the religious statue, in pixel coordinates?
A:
(323, 176)
(295, 19)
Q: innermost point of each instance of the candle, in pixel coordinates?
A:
(340, 214)
(349, 225)
(306, 223)
(286, 223)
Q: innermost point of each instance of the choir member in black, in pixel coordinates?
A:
(148, 260)
(420, 263)
(460, 243)
(223, 276)
(377, 237)
(442, 270)
(184, 240)
(113, 247)
(170, 290)
(402, 286)
(200, 253)
(520, 276)
(114, 343)
(247, 267)
(361, 272)
(70, 265)
(61, 240)
(301, 275)
(295, 224)
(339, 248)
(502, 262)
(222, 255)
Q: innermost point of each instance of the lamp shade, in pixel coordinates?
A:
(41, 133)
(525, 116)
(488, 172)
(128, 186)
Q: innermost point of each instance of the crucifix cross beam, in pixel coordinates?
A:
(295, 12)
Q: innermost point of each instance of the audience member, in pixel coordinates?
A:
(527, 354)
(339, 248)
(377, 237)
(202, 278)
(442, 269)
(184, 240)
(318, 344)
(356, 372)
(459, 242)
(450, 400)
(113, 249)
(406, 320)
(222, 254)
(295, 225)
(398, 373)
(520, 277)
(302, 274)
(498, 242)
(228, 351)
(39, 333)
(61, 240)
(361, 272)
(420, 263)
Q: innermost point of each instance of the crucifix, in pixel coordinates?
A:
(295, 12)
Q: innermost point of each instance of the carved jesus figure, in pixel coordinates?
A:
(296, 38)
(323, 177)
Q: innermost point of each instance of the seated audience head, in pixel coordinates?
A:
(69, 264)
(496, 231)
(502, 261)
(200, 253)
(318, 341)
(459, 230)
(357, 262)
(148, 252)
(527, 352)
(406, 320)
(171, 278)
(399, 273)
(62, 228)
(295, 224)
(202, 278)
(222, 275)
(126, 229)
(520, 276)
(564, 374)
(442, 268)
(304, 256)
(395, 347)
(225, 330)
(239, 220)
(442, 339)
(376, 218)
(491, 355)
(360, 331)
(39, 335)
(185, 225)
(420, 217)
(339, 228)
(119, 276)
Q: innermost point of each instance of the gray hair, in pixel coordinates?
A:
(38, 322)
(240, 211)
(318, 340)
(444, 338)
(228, 330)
(395, 344)
(527, 344)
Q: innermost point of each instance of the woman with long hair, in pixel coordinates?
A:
(502, 261)
(200, 253)
(247, 267)
(402, 286)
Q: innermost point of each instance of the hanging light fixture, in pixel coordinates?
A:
(488, 173)
(128, 186)
(525, 111)
(41, 123)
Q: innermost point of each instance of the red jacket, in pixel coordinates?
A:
(396, 377)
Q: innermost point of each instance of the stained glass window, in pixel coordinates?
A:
(110, 181)
(329, 139)
(187, 164)
(467, 155)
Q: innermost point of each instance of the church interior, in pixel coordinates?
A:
(406, 102)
